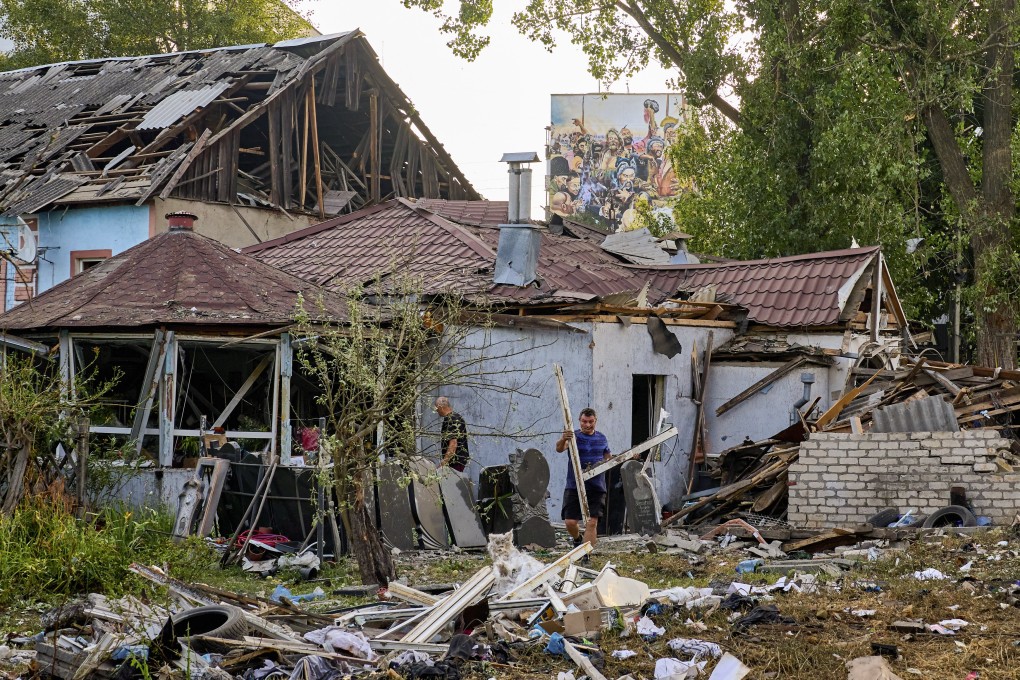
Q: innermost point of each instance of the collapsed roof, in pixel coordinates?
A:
(230, 125)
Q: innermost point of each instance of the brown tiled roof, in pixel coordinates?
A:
(176, 278)
(801, 290)
(473, 213)
(396, 236)
(402, 236)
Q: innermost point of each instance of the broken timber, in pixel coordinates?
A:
(630, 454)
(575, 457)
(548, 573)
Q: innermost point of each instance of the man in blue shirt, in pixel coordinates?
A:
(592, 448)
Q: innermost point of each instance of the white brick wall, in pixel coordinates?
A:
(843, 478)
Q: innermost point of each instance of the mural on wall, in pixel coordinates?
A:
(605, 152)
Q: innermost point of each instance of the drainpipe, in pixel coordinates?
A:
(808, 379)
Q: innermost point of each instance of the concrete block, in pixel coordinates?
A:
(984, 467)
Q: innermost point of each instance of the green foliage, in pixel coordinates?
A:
(840, 120)
(46, 552)
(46, 31)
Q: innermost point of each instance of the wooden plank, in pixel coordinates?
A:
(697, 438)
(315, 150)
(217, 478)
(185, 164)
(168, 401)
(772, 377)
(259, 369)
(548, 572)
(582, 662)
(835, 409)
(412, 595)
(945, 382)
(286, 373)
(630, 453)
(575, 457)
(150, 383)
(473, 589)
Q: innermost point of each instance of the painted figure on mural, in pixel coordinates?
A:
(600, 170)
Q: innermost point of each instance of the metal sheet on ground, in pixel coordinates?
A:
(465, 526)
(644, 513)
(533, 477)
(395, 518)
(428, 504)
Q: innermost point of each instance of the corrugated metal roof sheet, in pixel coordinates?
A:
(176, 278)
(929, 414)
(180, 104)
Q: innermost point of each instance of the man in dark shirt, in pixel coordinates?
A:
(592, 449)
(454, 443)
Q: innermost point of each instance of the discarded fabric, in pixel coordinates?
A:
(647, 628)
(697, 648)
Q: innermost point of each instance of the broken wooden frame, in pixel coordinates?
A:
(168, 390)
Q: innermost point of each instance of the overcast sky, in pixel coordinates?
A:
(480, 109)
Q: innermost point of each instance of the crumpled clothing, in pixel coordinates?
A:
(767, 614)
(697, 648)
(464, 647)
(738, 602)
(443, 670)
(410, 656)
(355, 644)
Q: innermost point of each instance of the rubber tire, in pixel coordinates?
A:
(945, 517)
(219, 621)
(884, 518)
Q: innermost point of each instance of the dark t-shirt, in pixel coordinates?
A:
(454, 427)
(591, 449)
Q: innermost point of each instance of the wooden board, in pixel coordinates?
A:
(575, 457)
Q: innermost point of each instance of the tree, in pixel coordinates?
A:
(376, 370)
(896, 116)
(47, 31)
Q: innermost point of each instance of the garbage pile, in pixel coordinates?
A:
(519, 617)
(922, 394)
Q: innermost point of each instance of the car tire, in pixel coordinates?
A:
(951, 515)
(214, 621)
(884, 518)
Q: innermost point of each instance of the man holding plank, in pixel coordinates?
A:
(592, 449)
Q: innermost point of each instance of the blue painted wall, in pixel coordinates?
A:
(113, 227)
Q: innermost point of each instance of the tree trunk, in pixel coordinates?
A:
(996, 311)
(375, 565)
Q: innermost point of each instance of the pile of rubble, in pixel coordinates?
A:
(922, 396)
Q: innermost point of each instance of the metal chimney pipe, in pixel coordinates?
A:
(514, 208)
(524, 196)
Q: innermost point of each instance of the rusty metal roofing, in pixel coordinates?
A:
(472, 213)
(177, 278)
(800, 290)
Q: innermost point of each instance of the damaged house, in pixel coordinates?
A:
(703, 342)
(257, 140)
(196, 343)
